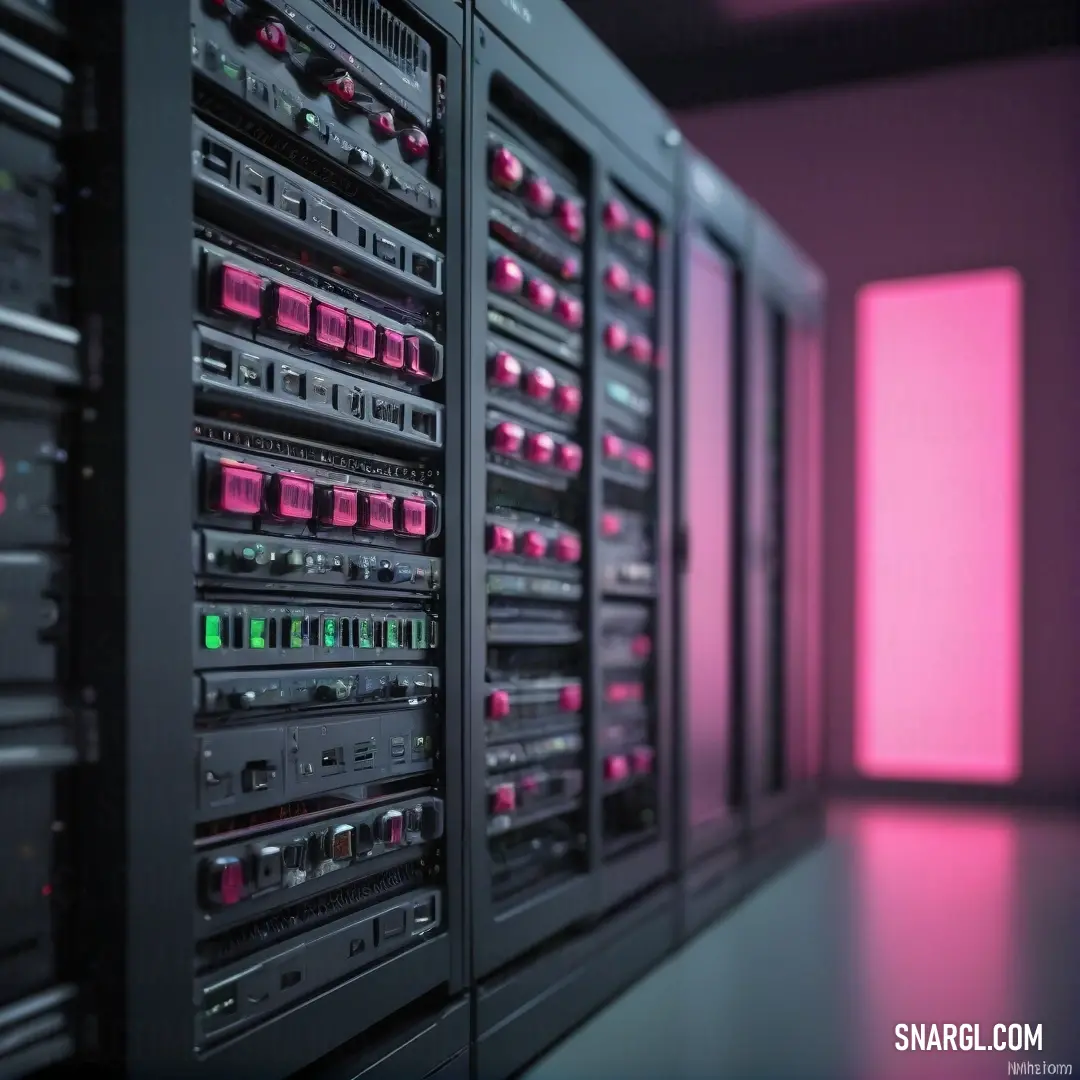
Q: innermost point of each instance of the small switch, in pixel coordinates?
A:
(292, 312)
(390, 350)
(568, 549)
(615, 337)
(339, 507)
(342, 843)
(390, 828)
(500, 540)
(362, 337)
(571, 219)
(616, 216)
(539, 384)
(571, 698)
(641, 459)
(539, 448)
(533, 545)
(240, 292)
(570, 269)
(331, 326)
(268, 868)
(506, 276)
(498, 705)
(570, 311)
(644, 231)
(431, 820)
(507, 438)
(294, 855)
(503, 799)
(616, 767)
(610, 525)
(239, 489)
(640, 349)
(272, 37)
(377, 512)
(612, 447)
(414, 144)
(505, 370)
(224, 881)
(643, 296)
(541, 294)
(617, 278)
(412, 517)
(569, 457)
(343, 88)
(382, 125)
(292, 497)
(568, 399)
(540, 195)
(506, 169)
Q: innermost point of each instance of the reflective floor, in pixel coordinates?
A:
(905, 916)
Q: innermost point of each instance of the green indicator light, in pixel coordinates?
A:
(366, 641)
(393, 633)
(296, 633)
(329, 633)
(257, 634)
(212, 631)
(231, 70)
(311, 119)
(419, 633)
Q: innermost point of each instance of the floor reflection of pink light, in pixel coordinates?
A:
(936, 926)
(751, 10)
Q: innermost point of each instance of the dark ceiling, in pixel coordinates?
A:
(695, 52)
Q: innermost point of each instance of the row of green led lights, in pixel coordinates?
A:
(394, 633)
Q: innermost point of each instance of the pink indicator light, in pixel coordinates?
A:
(506, 276)
(414, 144)
(570, 269)
(571, 698)
(540, 448)
(643, 296)
(615, 337)
(507, 438)
(272, 37)
(568, 399)
(569, 457)
(241, 292)
(361, 338)
(343, 88)
(341, 508)
(232, 883)
(641, 646)
(644, 231)
(1, 470)
(294, 497)
(641, 760)
(617, 278)
(540, 294)
(640, 459)
(616, 767)
(331, 326)
(500, 540)
(240, 489)
(530, 785)
(617, 694)
(293, 312)
(503, 799)
(382, 124)
(610, 525)
(413, 517)
(533, 545)
(394, 830)
(505, 370)
(612, 447)
(391, 349)
(540, 384)
(640, 349)
(377, 512)
(498, 705)
(568, 549)
(570, 219)
(570, 311)
(506, 170)
(412, 356)
(540, 195)
(616, 216)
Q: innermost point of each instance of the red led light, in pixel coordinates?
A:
(331, 326)
(612, 447)
(616, 216)
(643, 295)
(500, 540)
(641, 646)
(46, 891)
(570, 219)
(506, 276)
(294, 497)
(413, 517)
(616, 767)
(641, 760)
(507, 438)
(377, 512)
(503, 799)
(540, 384)
(640, 349)
(540, 448)
(617, 278)
(240, 490)
(391, 349)
(644, 231)
(540, 294)
(569, 457)
(533, 545)
(610, 525)
(293, 313)
(506, 170)
(340, 508)
(343, 88)
(241, 292)
(640, 458)
(414, 144)
(498, 705)
(362, 338)
(231, 882)
(570, 312)
(568, 399)
(505, 370)
(272, 37)
(571, 698)
(615, 337)
(540, 195)
(568, 549)
(383, 125)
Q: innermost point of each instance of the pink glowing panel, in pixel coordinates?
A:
(756, 10)
(938, 486)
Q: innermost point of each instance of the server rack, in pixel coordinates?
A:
(259, 273)
(46, 726)
(782, 627)
(715, 242)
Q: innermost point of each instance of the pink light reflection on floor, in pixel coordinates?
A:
(936, 934)
(938, 532)
(759, 10)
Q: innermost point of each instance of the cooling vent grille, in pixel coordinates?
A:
(386, 33)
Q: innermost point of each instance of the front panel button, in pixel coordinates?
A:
(533, 545)
(539, 384)
(508, 438)
(498, 705)
(569, 457)
(500, 540)
(505, 370)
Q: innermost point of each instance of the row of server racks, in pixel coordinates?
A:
(409, 523)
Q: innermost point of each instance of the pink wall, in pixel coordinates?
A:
(973, 168)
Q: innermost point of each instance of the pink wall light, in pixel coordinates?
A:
(938, 528)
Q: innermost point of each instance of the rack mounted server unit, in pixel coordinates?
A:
(46, 726)
(571, 814)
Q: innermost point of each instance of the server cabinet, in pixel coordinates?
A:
(713, 262)
(783, 527)
(571, 506)
(271, 588)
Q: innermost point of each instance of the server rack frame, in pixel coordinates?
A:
(134, 233)
(783, 281)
